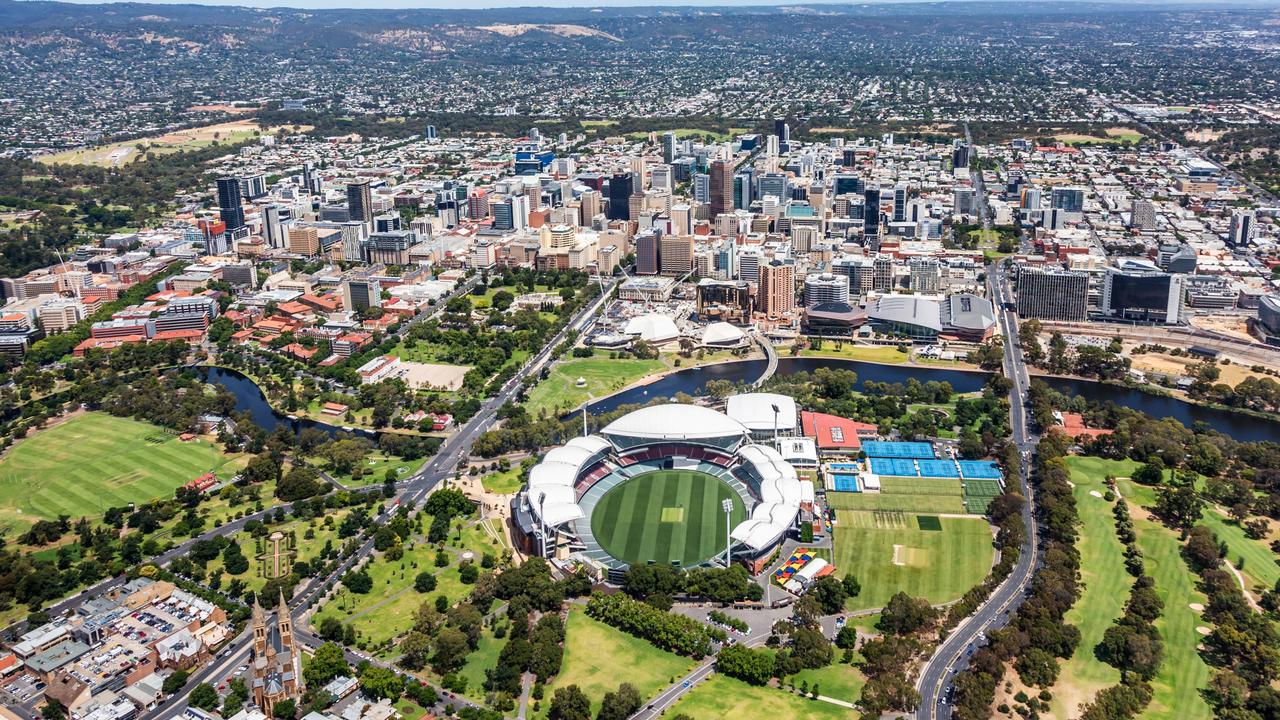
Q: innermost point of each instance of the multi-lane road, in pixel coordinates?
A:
(953, 654)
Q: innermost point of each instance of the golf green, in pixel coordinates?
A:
(665, 516)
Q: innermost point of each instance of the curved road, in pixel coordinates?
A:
(953, 654)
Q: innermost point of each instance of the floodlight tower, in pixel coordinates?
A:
(727, 504)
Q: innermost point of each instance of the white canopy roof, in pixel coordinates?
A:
(721, 333)
(590, 443)
(675, 422)
(652, 327)
(757, 534)
(557, 502)
(755, 410)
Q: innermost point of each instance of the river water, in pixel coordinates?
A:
(691, 381)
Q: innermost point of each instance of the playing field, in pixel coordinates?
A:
(938, 558)
(95, 461)
(665, 516)
(907, 494)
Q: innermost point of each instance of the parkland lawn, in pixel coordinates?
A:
(889, 551)
(93, 461)
(1106, 586)
(560, 393)
(724, 697)
(597, 658)
(884, 354)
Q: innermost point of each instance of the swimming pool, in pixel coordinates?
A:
(843, 466)
(845, 483)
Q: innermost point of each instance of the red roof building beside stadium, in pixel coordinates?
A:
(833, 433)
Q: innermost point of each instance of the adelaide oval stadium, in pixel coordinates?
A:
(673, 484)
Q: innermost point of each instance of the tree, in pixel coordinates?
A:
(1180, 506)
(1152, 473)
(358, 581)
(451, 650)
(425, 582)
(204, 696)
(379, 682)
(175, 682)
(905, 614)
(851, 586)
(53, 710)
(415, 650)
(620, 705)
(750, 666)
(328, 663)
(830, 594)
(299, 483)
(569, 703)
(1037, 667)
(261, 468)
(285, 709)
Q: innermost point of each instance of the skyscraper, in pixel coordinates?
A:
(777, 293)
(668, 147)
(783, 131)
(871, 214)
(229, 203)
(721, 187)
(620, 196)
(360, 202)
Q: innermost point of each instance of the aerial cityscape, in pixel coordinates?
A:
(815, 361)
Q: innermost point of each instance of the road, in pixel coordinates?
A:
(455, 449)
(953, 654)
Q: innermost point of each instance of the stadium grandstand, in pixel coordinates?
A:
(667, 484)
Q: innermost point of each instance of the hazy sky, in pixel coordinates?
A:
(464, 4)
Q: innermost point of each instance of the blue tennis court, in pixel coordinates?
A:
(938, 468)
(893, 466)
(845, 483)
(880, 448)
(984, 469)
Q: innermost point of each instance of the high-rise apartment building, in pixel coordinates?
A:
(1070, 199)
(1243, 227)
(926, 275)
(777, 293)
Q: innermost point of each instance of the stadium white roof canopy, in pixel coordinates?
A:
(675, 422)
(755, 410)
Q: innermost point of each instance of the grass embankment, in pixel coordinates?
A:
(94, 461)
(597, 658)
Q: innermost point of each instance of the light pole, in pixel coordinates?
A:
(775, 423)
(727, 504)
